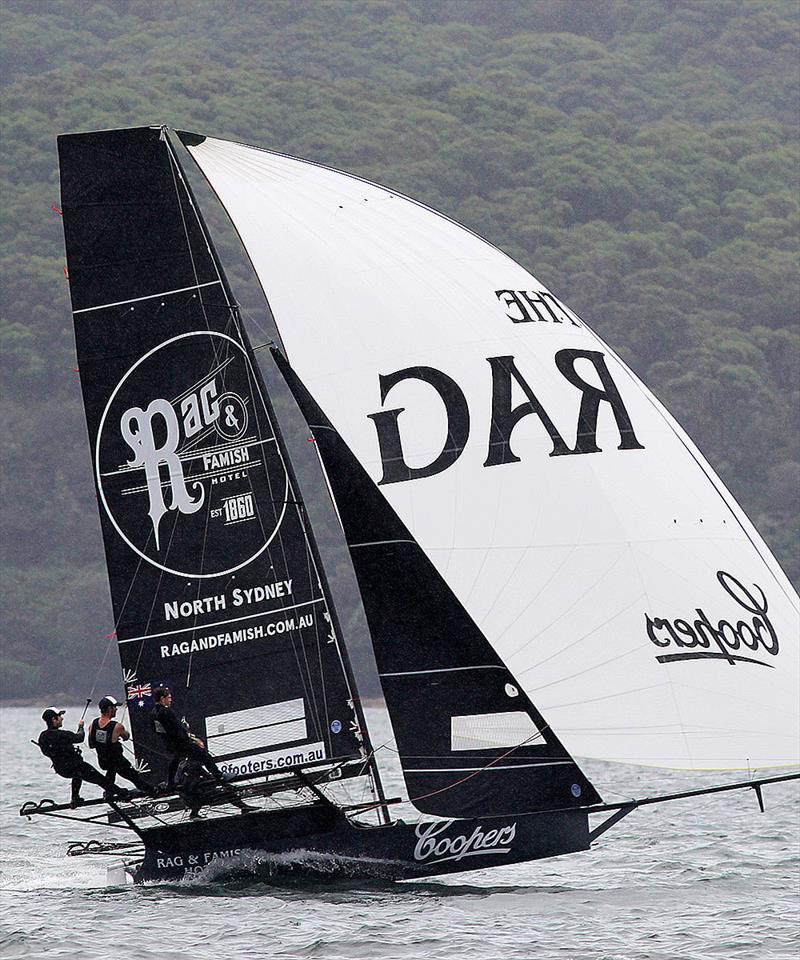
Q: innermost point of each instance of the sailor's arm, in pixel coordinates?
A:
(119, 733)
(190, 735)
(77, 737)
(173, 728)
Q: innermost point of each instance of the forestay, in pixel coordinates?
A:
(214, 583)
(575, 521)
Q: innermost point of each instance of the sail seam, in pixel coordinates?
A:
(515, 766)
(150, 296)
(260, 726)
(413, 673)
(380, 543)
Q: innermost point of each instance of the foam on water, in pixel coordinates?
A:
(294, 866)
(708, 879)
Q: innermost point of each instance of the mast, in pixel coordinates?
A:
(174, 144)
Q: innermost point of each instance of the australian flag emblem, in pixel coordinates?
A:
(139, 692)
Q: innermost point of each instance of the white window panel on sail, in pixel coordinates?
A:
(486, 731)
(563, 561)
(256, 727)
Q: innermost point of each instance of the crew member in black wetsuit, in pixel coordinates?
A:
(180, 742)
(105, 736)
(59, 746)
(190, 760)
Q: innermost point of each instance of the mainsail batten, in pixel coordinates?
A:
(568, 513)
(215, 583)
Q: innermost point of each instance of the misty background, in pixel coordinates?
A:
(640, 157)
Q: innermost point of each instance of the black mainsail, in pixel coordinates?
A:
(215, 582)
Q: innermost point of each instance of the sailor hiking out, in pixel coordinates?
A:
(106, 735)
(192, 769)
(58, 746)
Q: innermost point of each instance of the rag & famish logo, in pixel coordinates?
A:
(201, 411)
(432, 846)
(702, 639)
(188, 470)
(138, 430)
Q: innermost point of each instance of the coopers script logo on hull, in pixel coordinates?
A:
(435, 848)
(187, 466)
(699, 638)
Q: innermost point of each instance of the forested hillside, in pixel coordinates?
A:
(639, 157)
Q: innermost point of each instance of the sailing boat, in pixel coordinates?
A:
(548, 566)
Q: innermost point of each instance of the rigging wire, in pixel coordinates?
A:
(475, 773)
(111, 637)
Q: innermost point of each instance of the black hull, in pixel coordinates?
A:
(396, 851)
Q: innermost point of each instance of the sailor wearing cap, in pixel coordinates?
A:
(59, 746)
(105, 736)
(191, 764)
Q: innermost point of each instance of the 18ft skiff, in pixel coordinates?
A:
(548, 566)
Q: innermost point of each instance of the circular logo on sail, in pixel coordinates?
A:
(232, 420)
(188, 469)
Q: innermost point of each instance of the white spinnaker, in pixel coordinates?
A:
(558, 559)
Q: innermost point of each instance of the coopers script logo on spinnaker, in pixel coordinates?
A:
(743, 640)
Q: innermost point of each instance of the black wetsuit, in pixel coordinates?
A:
(111, 758)
(179, 744)
(191, 766)
(59, 747)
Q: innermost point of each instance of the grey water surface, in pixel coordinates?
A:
(707, 878)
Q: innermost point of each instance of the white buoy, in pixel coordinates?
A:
(116, 875)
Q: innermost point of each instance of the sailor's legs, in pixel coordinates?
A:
(88, 773)
(80, 772)
(203, 757)
(125, 769)
(206, 761)
(172, 770)
(228, 791)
